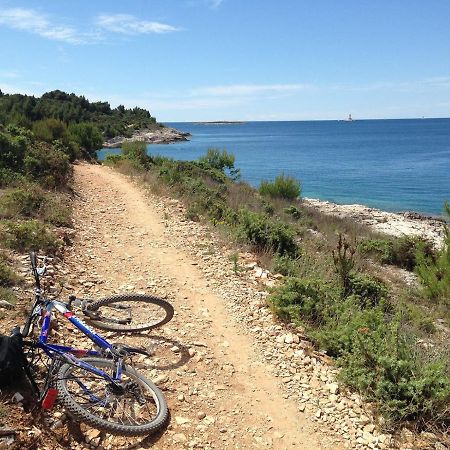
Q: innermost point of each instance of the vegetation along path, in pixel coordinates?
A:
(219, 392)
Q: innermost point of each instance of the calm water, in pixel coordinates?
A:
(394, 165)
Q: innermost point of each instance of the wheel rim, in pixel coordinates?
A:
(129, 315)
(135, 404)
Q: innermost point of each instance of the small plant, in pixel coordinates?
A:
(343, 258)
(8, 295)
(285, 265)
(234, 258)
(434, 273)
(267, 234)
(283, 186)
(293, 211)
(7, 275)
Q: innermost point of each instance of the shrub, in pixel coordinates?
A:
(383, 366)
(8, 295)
(285, 265)
(404, 251)
(220, 160)
(29, 235)
(87, 136)
(379, 248)
(7, 275)
(293, 211)
(267, 234)
(22, 201)
(343, 258)
(52, 167)
(49, 130)
(302, 300)
(368, 291)
(136, 151)
(286, 187)
(434, 273)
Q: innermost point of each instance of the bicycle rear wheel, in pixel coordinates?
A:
(129, 312)
(136, 408)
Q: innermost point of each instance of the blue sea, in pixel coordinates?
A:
(393, 165)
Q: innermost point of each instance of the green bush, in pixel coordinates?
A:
(293, 211)
(7, 275)
(8, 295)
(434, 272)
(368, 291)
(22, 201)
(283, 186)
(220, 160)
(87, 136)
(285, 265)
(304, 301)
(51, 167)
(28, 235)
(383, 365)
(404, 251)
(136, 151)
(377, 248)
(267, 234)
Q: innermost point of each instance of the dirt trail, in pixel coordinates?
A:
(219, 394)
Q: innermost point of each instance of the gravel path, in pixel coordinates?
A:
(233, 377)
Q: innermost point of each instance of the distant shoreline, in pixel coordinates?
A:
(220, 122)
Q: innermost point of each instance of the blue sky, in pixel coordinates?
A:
(235, 59)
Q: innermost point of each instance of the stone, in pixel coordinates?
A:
(201, 415)
(333, 388)
(181, 420)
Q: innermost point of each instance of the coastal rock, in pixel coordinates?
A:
(154, 135)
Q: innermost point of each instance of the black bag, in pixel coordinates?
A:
(12, 359)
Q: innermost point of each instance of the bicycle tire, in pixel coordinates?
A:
(93, 412)
(163, 311)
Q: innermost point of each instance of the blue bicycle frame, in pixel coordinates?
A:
(70, 354)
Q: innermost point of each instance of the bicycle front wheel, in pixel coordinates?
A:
(129, 312)
(134, 408)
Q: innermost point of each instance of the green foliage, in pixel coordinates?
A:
(293, 211)
(136, 151)
(283, 186)
(51, 167)
(285, 265)
(267, 234)
(23, 110)
(8, 295)
(49, 130)
(12, 150)
(22, 201)
(382, 364)
(7, 275)
(303, 300)
(87, 136)
(343, 258)
(28, 235)
(220, 160)
(434, 272)
(400, 252)
(377, 248)
(367, 291)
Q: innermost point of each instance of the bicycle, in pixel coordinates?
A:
(97, 386)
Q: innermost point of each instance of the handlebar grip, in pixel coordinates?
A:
(33, 260)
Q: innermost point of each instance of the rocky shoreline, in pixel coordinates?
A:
(393, 224)
(156, 135)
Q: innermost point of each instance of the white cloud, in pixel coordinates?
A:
(34, 22)
(127, 24)
(249, 89)
(215, 3)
